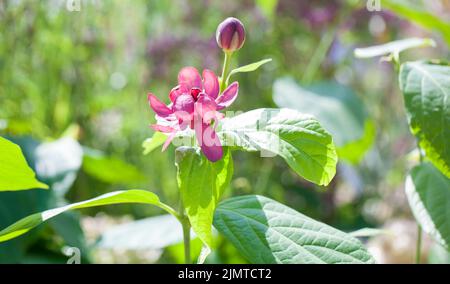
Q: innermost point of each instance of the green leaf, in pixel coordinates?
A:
(394, 47)
(266, 231)
(201, 184)
(15, 174)
(117, 197)
(30, 201)
(248, 68)
(426, 89)
(428, 192)
(111, 169)
(154, 142)
(338, 109)
(419, 15)
(368, 232)
(298, 138)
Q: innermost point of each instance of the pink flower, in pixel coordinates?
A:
(194, 103)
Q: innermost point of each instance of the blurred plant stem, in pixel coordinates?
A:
(326, 41)
(419, 244)
(419, 229)
(225, 71)
(319, 55)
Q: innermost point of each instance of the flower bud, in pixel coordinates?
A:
(230, 34)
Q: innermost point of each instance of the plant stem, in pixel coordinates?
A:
(419, 244)
(187, 240)
(319, 55)
(184, 220)
(225, 71)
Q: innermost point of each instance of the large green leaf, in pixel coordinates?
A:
(419, 15)
(394, 47)
(298, 138)
(426, 89)
(56, 164)
(15, 174)
(201, 184)
(266, 231)
(337, 108)
(428, 192)
(117, 197)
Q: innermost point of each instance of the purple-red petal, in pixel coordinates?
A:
(210, 83)
(208, 141)
(183, 108)
(228, 96)
(205, 107)
(189, 78)
(176, 91)
(158, 107)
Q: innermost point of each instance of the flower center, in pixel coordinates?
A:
(195, 92)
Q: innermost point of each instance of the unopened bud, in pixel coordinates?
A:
(230, 34)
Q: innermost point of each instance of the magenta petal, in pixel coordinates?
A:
(208, 141)
(228, 96)
(158, 107)
(184, 103)
(183, 108)
(205, 106)
(176, 91)
(210, 83)
(189, 78)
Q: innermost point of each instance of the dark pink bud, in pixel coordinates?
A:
(230, 34)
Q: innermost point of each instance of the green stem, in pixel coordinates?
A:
(170, 210)
(319, 55)
(187, 241)
(186, 234)
(225, 71)
(419, 244)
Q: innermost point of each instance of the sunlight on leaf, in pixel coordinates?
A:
(419, 15)
(248, 68)
(117, 197)
(266, 231)
(368, 232)
(426, 89)
(15, 174)
(394, 47)
(428, 192)
(298, 138)
(201, 184)
(154, 142)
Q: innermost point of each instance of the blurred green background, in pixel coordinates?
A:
(73, 89)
